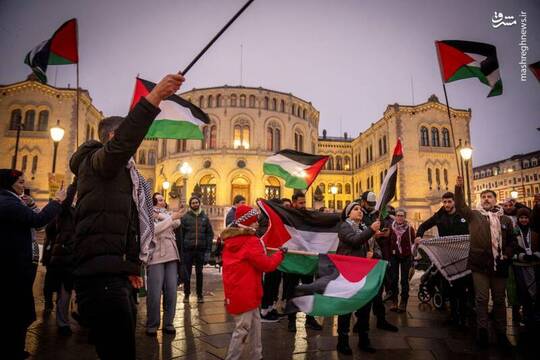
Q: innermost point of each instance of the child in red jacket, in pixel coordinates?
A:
(244, 262)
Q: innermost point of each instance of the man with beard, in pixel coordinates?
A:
(492, 240)
(449, 222)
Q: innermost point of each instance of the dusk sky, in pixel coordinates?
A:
(349, 58)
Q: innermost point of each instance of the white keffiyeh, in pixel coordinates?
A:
(494, 218)
(143, 200)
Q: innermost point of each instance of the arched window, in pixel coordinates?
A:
(29, 120)
(381, 177)
(385, 145)
(43, 120)
(163, 148)
(274, 104)
(142, 157)
(298, 140)
(380, 147)
(233, 100)
(438, 178)
(445, 137)
(34, 164)
(445, 177)
(272, 188)
(430, 178)
(330, 164)
(304, 114)
(298, 111)
(347, 163)
(435, 137)
(210, 101)
(241, 136)
(181, 145)
(218, 100)
(266, 102)
(251, 101)
(339, 163)
(339, 189)
(330, 186)
(201, 101)
(282, 106)
(273, 137)
(242, 100)
(269, 139)
(371, 152)
(24, 163)
(347, 188)
(16, 117)
(151, 157)
(322, 187)
(293, 109)
(424, 136)
(213, 137)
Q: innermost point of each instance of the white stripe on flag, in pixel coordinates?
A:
(171, 110)
(294, 168)
(391, 171)
(317, 242)
(343, 288)
(304, 303)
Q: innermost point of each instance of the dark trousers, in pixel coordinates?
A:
(49, 287)
(362, 315)
(458, 294)
(290, 282)
(400, 266)
(193, 258)
(270, 288)
(107, 305)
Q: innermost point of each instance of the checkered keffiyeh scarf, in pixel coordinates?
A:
(449, 254)
(494, 218)
(143, 200)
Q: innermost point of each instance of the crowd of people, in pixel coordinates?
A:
(107, 227)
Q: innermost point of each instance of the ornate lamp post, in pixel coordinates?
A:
(334, 190)
(57, 134)
(514, 194)
(466, 154)
(165, 185)
(185, 170)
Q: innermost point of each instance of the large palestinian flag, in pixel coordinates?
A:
(345, 284)
(298, 169)
(535, 69)
(178, 119)
(61, 49)
(388, 188)
(466, 59)
(310, 231)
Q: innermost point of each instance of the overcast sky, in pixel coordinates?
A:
(350, 58)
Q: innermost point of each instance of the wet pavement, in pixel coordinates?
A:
(204, 331)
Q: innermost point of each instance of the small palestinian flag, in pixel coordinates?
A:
(61, 49)
(345, 284)
(535, 69)
(388, 188)
(298, 169)
(304, 230)
(466, 59)
(178, 119)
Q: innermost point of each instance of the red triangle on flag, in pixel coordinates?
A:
(451, 59)
(64, 42)
(277, 233)
(313, 170)
(353, 268)
(140, 91)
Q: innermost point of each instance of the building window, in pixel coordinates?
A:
(370, 152)
(142, 157)
(34, 164)
(385, 145)
(272, 188)
(322, 187)
(430, 178)
(163, 148)
(181, 145)
(330, 188)
(29, 120)
(367, 155)
(347, 188)
(151, 157)
(218, 100)
(347, 163)
(87, 132)
(330, 164)
(381, 177)
(251, 101)
(210, 101)
(274, 105)
(241, 136)
(293, 109)
(43, 120)
(242, 100)
(304, 114)
(208, 189)
(16, 117)
(209, 137)
(201, 101)
(24, 163)
(445, 177)
(340, 204)
(273, 138)
(424, 137)
(435, 137)
(339, 189)
(438, 178)
(233, 100)
(445, 137)
(380, 147)
(282, 106)
(339, 163)
(298, 141)
(266, 102)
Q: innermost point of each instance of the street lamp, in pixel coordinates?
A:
(514, 194)
(466, 154)
(185, 170)
(333, 190)
(165, 185)
(57, 134)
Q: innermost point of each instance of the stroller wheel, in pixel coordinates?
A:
(423, 295)
(438, 300)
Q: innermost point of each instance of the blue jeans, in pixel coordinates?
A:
(161, 277)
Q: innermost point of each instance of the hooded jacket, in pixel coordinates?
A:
(244, 262)
(106, 218)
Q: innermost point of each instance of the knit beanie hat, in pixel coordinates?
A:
(245, 215)
(523, 212)
(348, 209)
(8, 177)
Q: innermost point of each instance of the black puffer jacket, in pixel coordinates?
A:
(196, 232)
(63, 229)
(353, 243)
(106, 219)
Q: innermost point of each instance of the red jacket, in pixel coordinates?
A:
(244, 262)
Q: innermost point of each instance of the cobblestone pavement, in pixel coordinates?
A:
(204, 330)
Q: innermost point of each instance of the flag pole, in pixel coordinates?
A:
(183, 72)
(297, 252)
(78, 90)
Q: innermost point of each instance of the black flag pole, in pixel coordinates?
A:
(183, 72)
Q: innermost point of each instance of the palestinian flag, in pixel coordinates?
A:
(388, 188)
(298, 169)
(535, 69)
(178, 119)
(303, 230)
(345, 284)
(466, 59)
(61, 49)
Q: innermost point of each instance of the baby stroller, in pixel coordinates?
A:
(447, 259)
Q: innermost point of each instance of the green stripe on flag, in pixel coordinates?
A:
(58, 60)
(299, 264)
(174, 129)
(466, 72)
(330, 305)
(291, 181)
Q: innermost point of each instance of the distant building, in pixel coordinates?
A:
(519, 174)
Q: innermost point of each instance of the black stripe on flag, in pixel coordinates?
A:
(306, 220)
(300, 157)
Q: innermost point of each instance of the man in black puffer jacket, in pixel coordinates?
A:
(106, 250)
(196, 236)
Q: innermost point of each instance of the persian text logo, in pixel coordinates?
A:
(523, 47)
(498, 20)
